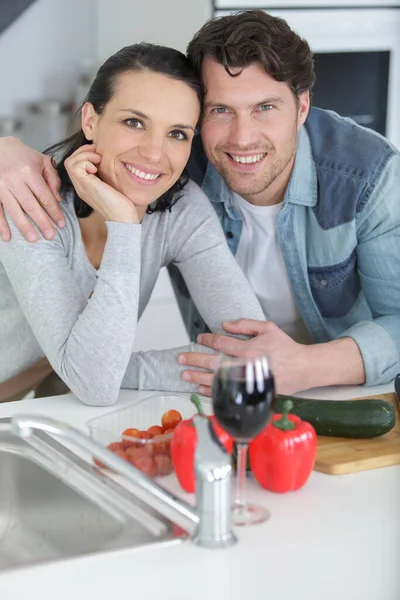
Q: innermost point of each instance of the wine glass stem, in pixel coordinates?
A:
(241, 474)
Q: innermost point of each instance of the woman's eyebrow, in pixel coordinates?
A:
(182, 126)
(132, 111)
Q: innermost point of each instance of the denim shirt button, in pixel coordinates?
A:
(229, 234)
(324, 282)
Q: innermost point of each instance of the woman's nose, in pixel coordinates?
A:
(152, 148)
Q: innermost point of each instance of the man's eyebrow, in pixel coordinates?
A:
(272, 100)
(215, 105)
(138, 113)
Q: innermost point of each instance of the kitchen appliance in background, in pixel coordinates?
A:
(356, 51)
(44, 122)
(9, 126)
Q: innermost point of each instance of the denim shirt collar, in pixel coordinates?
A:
(302, 187)
(217, 191)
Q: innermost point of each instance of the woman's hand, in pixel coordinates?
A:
(111, 204)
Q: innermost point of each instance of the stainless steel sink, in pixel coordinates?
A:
(51, 510)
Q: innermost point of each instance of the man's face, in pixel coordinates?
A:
(249, 129)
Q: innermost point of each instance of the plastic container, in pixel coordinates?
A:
(151, 456)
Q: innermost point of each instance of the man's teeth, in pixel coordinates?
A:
(247, 159)
(142, 174)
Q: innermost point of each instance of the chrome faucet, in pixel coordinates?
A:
(208, 523)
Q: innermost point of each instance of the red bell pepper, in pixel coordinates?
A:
(183, 447)
(283, 455)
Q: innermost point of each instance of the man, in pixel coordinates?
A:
(308, 202)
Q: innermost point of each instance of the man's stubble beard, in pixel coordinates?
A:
(250, 184)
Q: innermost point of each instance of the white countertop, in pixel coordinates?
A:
(337, 538)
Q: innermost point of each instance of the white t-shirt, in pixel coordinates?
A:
(260, 258)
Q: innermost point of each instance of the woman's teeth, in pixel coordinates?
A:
(142, 174)
(247, 159)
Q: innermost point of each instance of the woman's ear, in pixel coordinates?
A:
(89, 120)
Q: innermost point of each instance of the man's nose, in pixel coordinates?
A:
(152, 147)
(243, 131)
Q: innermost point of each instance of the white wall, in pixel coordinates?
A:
(41, 51)
(167, 22)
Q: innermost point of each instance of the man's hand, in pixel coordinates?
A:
(295, 366)
(288, 358)
(29, 185)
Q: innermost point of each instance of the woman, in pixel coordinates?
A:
(74, 301)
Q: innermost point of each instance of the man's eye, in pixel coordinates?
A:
(134, 123)
(220, 110)
(266, 107)
(178, 135)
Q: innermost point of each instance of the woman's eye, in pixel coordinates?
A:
(134, 123)
(178, 135)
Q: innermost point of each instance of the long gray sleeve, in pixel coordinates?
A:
(47, 307)
(87, 342)
(221, 292)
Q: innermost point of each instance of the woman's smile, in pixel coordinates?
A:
(143, 175)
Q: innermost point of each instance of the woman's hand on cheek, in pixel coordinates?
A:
(82, 168)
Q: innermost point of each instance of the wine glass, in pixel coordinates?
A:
(243, 394)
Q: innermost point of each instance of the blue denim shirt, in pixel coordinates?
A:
(339, 232)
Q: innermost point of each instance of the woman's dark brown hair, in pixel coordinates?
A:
(243, 38)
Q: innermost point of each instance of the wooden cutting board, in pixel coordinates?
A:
(338, 456)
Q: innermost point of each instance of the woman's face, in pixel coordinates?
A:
(144, 134)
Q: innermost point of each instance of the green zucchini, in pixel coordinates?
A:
(343, 418)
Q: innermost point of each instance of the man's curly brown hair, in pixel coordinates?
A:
(247, 37)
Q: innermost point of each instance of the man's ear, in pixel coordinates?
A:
(89, 120)
(303, 108)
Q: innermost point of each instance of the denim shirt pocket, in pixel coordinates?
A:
(335, 288)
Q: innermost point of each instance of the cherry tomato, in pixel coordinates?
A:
(170, 419)
(121, 453)
(146, 465)
(132, 433)
(143, 463)
(134, 453)
(155, 430)
(161, 444)
(163, 464)
(114, 446)
(146, 435)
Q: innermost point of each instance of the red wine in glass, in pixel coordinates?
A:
(243, 397)
(242, 407)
